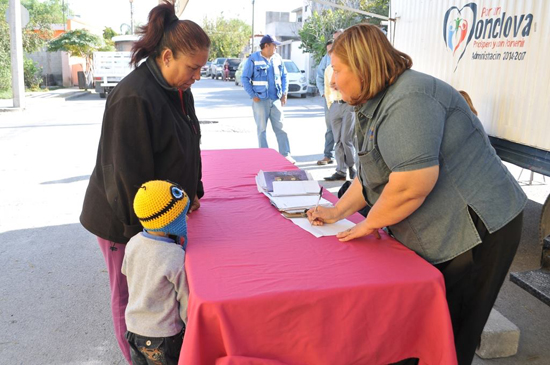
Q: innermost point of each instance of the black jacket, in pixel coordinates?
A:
(145, 136)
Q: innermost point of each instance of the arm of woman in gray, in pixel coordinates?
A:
(409, 141)
(404, 193)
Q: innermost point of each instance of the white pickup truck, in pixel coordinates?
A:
(109, 69)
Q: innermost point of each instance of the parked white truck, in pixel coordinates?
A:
(109, 69)
(497, 52)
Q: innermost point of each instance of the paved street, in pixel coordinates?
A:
(54, 296)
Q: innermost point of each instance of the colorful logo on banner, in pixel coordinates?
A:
(458, 29)
(494, 35)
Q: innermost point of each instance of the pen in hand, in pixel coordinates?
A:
(318, 201)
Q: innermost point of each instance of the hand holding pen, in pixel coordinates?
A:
(318, 201)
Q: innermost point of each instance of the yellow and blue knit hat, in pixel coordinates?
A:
(161, 206)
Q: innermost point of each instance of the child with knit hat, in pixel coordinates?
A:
(153, 264)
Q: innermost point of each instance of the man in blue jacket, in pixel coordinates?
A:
(264, 79)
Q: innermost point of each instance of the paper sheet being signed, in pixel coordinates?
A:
(324, 230)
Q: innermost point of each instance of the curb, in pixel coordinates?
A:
(11, 109)
(78, 94)
(500, 337)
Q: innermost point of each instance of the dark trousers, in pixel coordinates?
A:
(473, 280)
(155, 350)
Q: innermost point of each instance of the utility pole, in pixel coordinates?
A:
(252, 39)
(16, 48)
(131, 16)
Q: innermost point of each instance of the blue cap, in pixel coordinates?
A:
(269, 39)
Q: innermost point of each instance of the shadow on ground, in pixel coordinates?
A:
(54, 298)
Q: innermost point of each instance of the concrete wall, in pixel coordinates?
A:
(283, 30)
(52, 66)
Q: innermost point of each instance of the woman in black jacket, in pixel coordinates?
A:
(150, 132)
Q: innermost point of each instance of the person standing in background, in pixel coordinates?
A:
(264, 79)
(226, 71)
(320, 81)
(342, 123)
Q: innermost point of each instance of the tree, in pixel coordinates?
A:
(35, 34)
(320, 27)
(79, 43)
(380, 7)
(227, 36)
(108, 34)
(42, 15)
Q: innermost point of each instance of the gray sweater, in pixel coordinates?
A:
(157, 286)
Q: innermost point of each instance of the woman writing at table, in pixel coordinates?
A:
(150, 132)
(431, 176)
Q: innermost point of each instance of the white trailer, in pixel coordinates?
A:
(109, 69)
(495, 51)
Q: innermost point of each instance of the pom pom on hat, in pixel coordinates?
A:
(161, 206)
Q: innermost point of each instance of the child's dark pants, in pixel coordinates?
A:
(155, 350)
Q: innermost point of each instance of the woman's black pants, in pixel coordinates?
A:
(473, 280)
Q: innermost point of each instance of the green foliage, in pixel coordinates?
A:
(109, 45)
(37, 31)
(32, 74)
(228, 36)
(5, 60)
(45, 13)
(109, 33)
(78, 42)
(380, 7)
(320, 27)
(6, 93)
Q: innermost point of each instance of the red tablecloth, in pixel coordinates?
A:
(264, 291)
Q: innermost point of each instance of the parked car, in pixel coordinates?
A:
(233, 65)
(217, 67)
(205, 70)
(239, 73)
(297, 84)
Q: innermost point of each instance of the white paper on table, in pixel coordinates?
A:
(324, 230)
(260, 182)
(286, 188)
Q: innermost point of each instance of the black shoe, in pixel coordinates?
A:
(335, 177)
(352, 173)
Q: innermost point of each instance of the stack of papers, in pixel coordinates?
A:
(293, 193)
(290, 191)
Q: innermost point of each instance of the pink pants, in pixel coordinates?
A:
(119, 290)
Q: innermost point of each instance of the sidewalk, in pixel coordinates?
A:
(6, 105)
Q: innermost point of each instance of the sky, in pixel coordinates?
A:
(113, 13)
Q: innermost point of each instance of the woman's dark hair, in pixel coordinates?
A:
(164, 30)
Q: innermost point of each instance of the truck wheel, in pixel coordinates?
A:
(102, 95)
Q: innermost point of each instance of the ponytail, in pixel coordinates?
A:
(165, 30)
